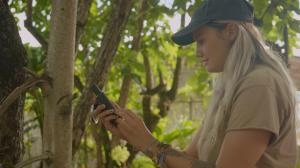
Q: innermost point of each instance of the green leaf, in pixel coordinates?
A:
(295, 25)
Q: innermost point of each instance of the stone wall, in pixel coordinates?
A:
(294, 63)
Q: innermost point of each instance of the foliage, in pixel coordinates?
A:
(162, 53)
(119, 154)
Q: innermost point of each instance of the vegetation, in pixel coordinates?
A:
(124, 46)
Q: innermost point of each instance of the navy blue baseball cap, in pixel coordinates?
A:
(214, 10)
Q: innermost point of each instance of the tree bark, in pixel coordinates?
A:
(98, 74)
(82, 17)
(57, 134)
(12, 61)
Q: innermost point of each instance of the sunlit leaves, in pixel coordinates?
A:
(120, 154)
(156, 45)
(275, 15)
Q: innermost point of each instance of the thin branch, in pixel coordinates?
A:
(31, 127)
(161, 86)
(148, 72)
(29, 71)
(161, 78)
(29, 26)
(46, 156)
(274, 46)
(272, 6)
(18, 91)
(154, 91)
(78, 84)
(286, 45)
(140, 20)
(82, 17)
(30, 121)
(172, 92)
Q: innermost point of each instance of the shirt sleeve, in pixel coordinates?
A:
(255, 108)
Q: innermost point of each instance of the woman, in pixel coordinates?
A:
(250, 122)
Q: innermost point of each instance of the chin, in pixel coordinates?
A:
(210, 69)
(213, 70)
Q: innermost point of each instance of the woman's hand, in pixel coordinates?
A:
(106, 117)
(129, 126)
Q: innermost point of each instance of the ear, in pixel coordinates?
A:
(231, 31)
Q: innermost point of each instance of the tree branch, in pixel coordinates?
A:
(172, 92)
(82, 17)
(286, 44)
(98, 73)
(29, 71)
(78, 84)
(46, 156)
(154, 91)
(175, 84)
(161, 86)
(18, 91)
(272, 6)
(29, 26)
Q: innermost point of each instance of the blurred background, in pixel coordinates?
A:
(163, 83)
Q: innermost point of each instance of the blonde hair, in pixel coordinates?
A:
(248, 48)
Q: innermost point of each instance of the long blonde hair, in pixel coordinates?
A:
(248, 47)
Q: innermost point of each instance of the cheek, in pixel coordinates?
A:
(210, 49)
(199, 50)
(220, 45)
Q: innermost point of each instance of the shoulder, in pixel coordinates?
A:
(261, 76)
(263, 80)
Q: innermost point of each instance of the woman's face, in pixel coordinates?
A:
(213, 46)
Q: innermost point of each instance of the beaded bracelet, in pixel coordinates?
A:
(161, 155)
(156, 151)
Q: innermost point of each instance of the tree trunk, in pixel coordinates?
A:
(58, 97)
(98, 74)
(12, 75)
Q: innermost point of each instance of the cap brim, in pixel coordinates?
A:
(185, 36)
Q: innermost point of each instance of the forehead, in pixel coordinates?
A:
(201, 31)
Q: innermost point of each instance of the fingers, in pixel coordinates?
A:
(106, 119)
(99, 109)
(116, 106)
(110, 117)
(105, 114)
(96, 112)
(131, 114)
(123, 114)
(111, 127)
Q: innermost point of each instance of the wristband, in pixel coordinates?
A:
(156, 152)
